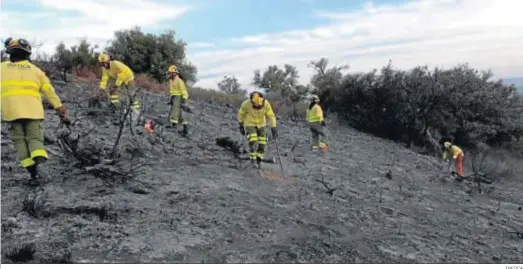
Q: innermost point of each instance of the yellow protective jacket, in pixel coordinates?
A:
(21, 88)
(117, 70)
(177, 87)
(454, 151)
(315, 114)
(251, 117)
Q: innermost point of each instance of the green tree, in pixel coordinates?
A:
(325, 80)
(83, 54)
(276, 80)
(231, 85)
(419, 106)
(297, 95)
(151, 54)
(78, 56)
(64, 60)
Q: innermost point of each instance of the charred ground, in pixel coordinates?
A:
(171, 199)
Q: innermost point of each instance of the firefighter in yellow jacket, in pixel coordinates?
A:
(119, 73)
(252, 118)
(21, 88)
(178, 97)
(316, 123)
(456, 153)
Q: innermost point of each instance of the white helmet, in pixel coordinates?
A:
(314, 97)
(447, 144)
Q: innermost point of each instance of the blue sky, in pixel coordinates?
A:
(235, 37)
(214, 20)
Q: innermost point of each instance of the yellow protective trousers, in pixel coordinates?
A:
(130, 87)
(317, 130)
(177, 115)
(28, 138)
(257, 141)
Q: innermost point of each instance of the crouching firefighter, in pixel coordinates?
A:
(178, 97)
(21, 86)
(316, 124)
(457, 155)
(252, 118)
(119, 73)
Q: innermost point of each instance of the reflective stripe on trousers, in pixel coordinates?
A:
(257, 141)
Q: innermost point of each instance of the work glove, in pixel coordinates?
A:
(274, 132)
(183, 104)
(242, 129)
(323, 123)
(62, 114)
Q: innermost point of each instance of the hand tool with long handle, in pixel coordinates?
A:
(331, 140)
(170, 112)
(279, 157)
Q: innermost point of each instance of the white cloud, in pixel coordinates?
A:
(95, 20)
(484, 33)
(201, 45)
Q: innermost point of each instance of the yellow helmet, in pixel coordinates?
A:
(257, 99)
(447, 144)
(22, 44)
(103, 58)
(173, 69)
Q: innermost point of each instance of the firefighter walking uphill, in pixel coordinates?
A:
(252, 121)
(22, 84)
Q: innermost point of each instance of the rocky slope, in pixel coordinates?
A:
(368, 200)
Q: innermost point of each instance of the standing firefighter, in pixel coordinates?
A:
(252, 116)
(316, 124)
(179, 95)
(457, 155)
(21, 88)
(119, 74)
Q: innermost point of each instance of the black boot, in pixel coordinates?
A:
(185, 132)
(172, 125)
(33, 172)
(258, 161)
(112, 109)
(39, 159)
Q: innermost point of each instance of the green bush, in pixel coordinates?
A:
(151, 54)
(77, 57)
(462, 103)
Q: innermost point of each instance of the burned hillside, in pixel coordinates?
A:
(166, 198)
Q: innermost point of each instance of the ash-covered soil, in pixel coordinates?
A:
(368, 200)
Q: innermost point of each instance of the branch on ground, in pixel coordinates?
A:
(488, 166)
(329, 190)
